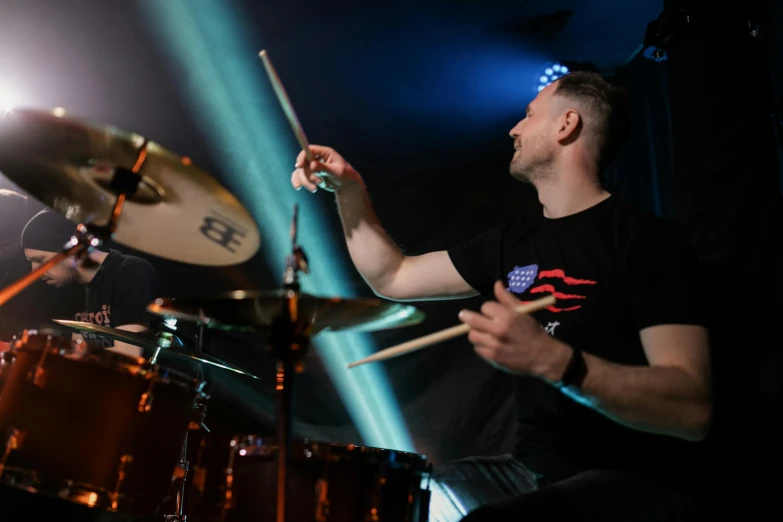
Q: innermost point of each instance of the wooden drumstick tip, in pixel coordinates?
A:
(262, 53)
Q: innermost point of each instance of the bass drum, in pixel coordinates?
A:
(327, 482)
(100, 429)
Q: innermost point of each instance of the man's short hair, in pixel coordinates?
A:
(607, 105)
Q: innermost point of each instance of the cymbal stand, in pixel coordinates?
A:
(87, 236)
(183, 466)
(288, 343)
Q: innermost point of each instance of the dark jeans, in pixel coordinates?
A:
(502, 489)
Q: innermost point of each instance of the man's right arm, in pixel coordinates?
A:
(389, 272)
(386, 269)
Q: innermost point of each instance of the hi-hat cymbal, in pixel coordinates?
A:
(170, 343)
(177, 212)
(256, 311)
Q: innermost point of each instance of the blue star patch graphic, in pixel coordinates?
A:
(521, 278)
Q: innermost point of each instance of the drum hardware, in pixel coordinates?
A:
(163, 340)
(115, 495)
(375, 493)
(322, 500)
(422, 507)
(145, 402)
(322, 493)
(36, 375)
(181, 472)
(12, 442)
(288, 343)
(180, 475)
(6, 360)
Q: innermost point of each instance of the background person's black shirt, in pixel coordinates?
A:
(118, 295)
(614, 271)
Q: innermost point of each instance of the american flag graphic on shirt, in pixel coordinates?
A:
(522, 279)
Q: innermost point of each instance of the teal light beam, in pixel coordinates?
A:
(209, 47)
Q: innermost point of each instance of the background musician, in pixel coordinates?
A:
(35, 306)
(115, 288)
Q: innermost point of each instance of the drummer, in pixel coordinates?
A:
(116, 287)
(612, 384)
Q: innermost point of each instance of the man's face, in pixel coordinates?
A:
(59, 275)
(534, 139)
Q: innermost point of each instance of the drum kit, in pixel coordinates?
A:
(125, 446)
(128, 418)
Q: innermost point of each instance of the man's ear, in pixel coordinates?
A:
(569, 126)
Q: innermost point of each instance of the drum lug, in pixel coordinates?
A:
(12, 442)
(373, 514)
(37, 375)
(145, 402)
(115, 495)
(322, 500)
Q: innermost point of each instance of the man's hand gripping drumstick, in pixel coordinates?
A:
(443, 335)
(320, 167)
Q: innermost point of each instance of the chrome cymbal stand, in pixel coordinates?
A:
(288, 343)
(183, 466)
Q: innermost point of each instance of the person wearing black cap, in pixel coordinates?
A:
(37, 304)
(117, 287)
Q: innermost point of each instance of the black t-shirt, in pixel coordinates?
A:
(614, 271)
(118, 295)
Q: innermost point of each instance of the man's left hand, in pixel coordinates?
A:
(512, 341)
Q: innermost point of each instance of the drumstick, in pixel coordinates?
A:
(448, 333)
(288, 108)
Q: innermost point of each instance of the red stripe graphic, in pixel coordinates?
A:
(561, 275)
(550, 289)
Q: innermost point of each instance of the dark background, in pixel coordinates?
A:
(420, 98)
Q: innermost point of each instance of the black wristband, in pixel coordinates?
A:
(576, 371)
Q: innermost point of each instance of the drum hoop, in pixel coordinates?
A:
(76, 492)
(136, 367)
(337, 451)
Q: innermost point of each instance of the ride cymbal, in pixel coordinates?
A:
(172, 210)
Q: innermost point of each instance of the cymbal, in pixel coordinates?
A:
(256, 312)
(170, 343)
(177, 211)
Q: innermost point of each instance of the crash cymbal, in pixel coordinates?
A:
(169, 342)
(177, 211)
(256, 311)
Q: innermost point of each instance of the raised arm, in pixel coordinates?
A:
(386, 269)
